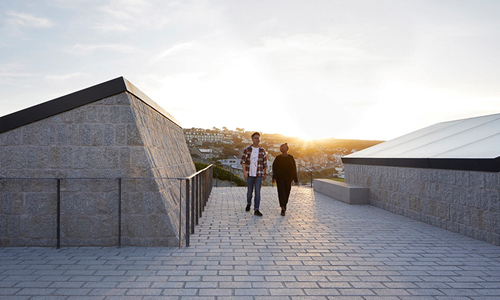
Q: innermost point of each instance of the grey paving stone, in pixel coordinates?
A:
(322, 249)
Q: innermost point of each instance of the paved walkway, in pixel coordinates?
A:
(322, 249)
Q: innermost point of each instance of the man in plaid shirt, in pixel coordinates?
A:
(254, 163)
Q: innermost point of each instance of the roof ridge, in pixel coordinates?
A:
(76, 99)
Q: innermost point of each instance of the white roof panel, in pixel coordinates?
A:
(468, 138)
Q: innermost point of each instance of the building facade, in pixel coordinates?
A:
(446, 175)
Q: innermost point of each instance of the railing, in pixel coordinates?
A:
(305, 169)
(234, 177)
(198, 187)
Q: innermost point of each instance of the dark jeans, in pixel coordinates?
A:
(254, 183)
(284, 187)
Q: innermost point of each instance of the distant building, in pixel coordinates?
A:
(231, 161)
(203, 153)
(201, 136)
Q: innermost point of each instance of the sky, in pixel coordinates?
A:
(314, 69)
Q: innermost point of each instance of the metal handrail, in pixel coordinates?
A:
(310, 170)
(198, 188)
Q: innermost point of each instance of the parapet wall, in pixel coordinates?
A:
(116, 137)
(466, 202)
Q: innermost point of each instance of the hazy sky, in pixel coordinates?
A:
(346, 69)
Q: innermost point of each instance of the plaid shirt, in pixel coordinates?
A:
(261, 162)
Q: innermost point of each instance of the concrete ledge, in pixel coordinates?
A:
(348, 193)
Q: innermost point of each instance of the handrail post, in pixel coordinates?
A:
(311, 178)
(58, 217)
(119, 212)
(298, 175)
(187, 213)
(200, 214)
(180, 214)
(193, 180)
(197, 198)
(207, 181)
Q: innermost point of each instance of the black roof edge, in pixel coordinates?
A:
(68, 102)
(459, 164)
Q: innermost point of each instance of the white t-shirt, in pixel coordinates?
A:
(254, 158)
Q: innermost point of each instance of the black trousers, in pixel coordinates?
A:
(284, 187)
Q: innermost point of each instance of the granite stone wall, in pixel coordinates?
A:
(466, 202)
(116, 137)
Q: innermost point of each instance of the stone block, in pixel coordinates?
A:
(109, 135)
(83, 204)
(10, 158)
(477, 180)
(494, 239)
(138, 158)
(36, 227)
(60, 157)
(127, 116)
(11, 203)
(134, 137)
(92, 134)
(132, 203)
(492, 199)
(467, 215)
(148, 202)
(112, 156)
(67, 134)
(446, 177)
(414, 203)
(462, 178)
(135, 226)
(40, 204)
(62, 134)
(11, 138)
(13, 226)
(344, 192)
(124, 158)
(492, 181)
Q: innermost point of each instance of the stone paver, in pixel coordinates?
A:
(322, 249)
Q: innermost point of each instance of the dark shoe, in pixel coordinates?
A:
(282, 212)
(248, 207)
(258, 213)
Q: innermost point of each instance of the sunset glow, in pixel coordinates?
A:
(344, 69)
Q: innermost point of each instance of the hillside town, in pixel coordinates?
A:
(224, 147)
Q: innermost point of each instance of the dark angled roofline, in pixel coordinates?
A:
(463, 164)
(77, 99)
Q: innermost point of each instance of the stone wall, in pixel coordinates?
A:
(466, 202)
(117, 137)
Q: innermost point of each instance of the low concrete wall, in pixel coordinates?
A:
(467, 202)
(348, 193)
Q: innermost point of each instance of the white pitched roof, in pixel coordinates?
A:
(467, 138)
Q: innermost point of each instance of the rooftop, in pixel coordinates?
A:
(466, 144)
(322, 249)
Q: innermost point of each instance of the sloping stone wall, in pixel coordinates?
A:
(117, 137)
(466, 202)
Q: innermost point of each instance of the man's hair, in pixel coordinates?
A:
(255, 133)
